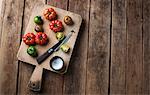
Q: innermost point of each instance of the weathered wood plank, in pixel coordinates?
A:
(75, 79)
(1, 1)
(146, 47)
(63, 4)
(25, 70)
(11, 21)
(99, 48)
(118, 48)
(1, 17)
(52, 82)
(134, 67)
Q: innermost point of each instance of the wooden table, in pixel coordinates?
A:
(111, 56)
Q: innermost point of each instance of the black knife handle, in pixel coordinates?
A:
(44, 56)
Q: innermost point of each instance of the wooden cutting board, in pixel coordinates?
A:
(22, 53)
(38, 10)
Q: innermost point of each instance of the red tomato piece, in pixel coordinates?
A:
(50, 14)
(56, 25)
(41, 38)
(29, 39)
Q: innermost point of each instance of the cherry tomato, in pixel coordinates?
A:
(38, 28)
(32, 51)
(41, 38)
(50, 14)
(29, 39)
(60, 36)
(68, 20)
(38, 20)
(56, 25)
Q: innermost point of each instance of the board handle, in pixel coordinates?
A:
(36, 79)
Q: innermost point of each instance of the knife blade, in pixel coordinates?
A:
(54, 48)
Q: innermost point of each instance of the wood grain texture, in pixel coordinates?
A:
(146, 47)
(88, 72)
(1, 16)
(134, 66)
(10, 37)
(1, 2)
(63, 4)
(25, 70)
(99, 48)
(38, 10)
(75, 78)
(52, 82)
(118, 48)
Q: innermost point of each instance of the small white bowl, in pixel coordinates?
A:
(57, 63)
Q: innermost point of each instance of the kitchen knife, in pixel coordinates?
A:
(44, 56)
